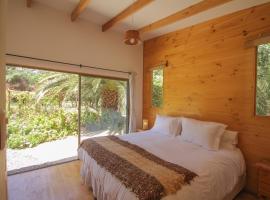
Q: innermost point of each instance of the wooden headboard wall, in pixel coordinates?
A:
(211, 76)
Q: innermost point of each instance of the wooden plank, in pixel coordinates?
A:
(182, 14)
(212, 77)
(79, 9)
(54, 183)
(259, 39)
(139, 4)
(28, 3)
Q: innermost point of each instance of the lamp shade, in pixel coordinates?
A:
(145, 124)
(132, 37)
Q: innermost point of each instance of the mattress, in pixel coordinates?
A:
(220, 173)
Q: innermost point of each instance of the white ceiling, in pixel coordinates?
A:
(100, 11)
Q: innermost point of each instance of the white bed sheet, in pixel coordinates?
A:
(218, 171)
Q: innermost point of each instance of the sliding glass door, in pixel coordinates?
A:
(104, 107)
(51, 112)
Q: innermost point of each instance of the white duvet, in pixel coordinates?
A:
(218, 171)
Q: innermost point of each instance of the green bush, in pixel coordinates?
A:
(42, 106)
(38, 127)
(112, 120)
(89, 117)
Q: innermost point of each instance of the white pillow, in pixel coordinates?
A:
(167, 125)
(229, 140)
(205, 134)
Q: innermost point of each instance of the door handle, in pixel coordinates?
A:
(3, 130)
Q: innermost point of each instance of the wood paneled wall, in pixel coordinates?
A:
(211, 76)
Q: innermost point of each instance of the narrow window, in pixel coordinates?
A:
(157, 87)
(263, 80)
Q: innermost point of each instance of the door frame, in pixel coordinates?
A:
(3, 169)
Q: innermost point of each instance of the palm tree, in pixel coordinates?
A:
(113, 94)
(59, 86)
(96, 92)
(103, 100)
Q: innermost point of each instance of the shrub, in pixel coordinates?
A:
(109, 119)
(37, 127)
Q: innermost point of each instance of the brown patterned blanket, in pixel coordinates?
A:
(145, 174)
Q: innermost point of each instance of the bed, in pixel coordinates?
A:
(213, 175)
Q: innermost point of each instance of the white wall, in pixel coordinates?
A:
(3, 177)
(44, 32)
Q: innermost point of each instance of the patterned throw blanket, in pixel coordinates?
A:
(145, 174)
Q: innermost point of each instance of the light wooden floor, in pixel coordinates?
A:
(60, 182)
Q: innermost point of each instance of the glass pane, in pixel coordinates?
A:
(103, 107)
(263, 80)
(42, 109)
(157, 87)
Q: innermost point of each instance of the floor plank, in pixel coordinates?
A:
(59, 182)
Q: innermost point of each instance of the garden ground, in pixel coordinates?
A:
(45, 154)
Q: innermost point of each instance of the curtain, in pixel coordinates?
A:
(132, 111)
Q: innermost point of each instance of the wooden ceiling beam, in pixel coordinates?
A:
(182, 14)
(79, 9)
(139, 4)
(28, 3)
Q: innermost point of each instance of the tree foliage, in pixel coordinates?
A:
(31, 124)
(157, 87)
(43, 105)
